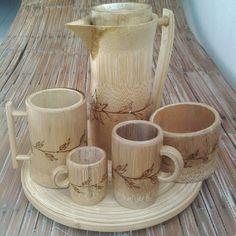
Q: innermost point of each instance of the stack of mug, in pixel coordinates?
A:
(178, 144)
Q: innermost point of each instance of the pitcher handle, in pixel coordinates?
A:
(167, 23)
(10, 113)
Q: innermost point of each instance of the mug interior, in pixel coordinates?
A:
(184, 118)
(87, 156)
(121, 7)
(56, 98)
(137, 131)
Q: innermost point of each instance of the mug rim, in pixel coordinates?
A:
(158, 138)
(99, 8)
(103, 157)
(215, 123)
(28, 100)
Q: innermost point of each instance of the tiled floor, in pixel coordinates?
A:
(8, 10)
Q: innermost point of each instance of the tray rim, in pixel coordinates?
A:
(81, 224)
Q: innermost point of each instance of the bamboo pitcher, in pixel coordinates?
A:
(120, 37)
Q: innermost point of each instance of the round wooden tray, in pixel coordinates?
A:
(108, 215)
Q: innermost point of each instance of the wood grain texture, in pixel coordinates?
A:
(122, 85)
(194, 129)
(48, 113)
(39, 52)
(107, 215)
(87, 168)
(137, 150)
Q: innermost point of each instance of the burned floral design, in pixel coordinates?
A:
(63, 148)
(99, 110)
(130, 182)
(87, 184)
(197, 156)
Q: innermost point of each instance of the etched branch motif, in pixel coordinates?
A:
(130, 181)
(50, 155)
(83, 140)
(196, 156)
(98, 109)
(87, 184)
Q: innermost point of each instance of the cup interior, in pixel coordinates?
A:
(184, 118)
(87, 155)
(121, 7)
(55, 98)
(137, 131)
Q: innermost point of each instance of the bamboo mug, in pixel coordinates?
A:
(86, 168)
(194, 129)
(137, 150)
(57, 124)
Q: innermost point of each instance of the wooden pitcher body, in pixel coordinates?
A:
(121, 79)
(122, 83)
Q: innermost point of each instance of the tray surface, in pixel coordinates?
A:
(108, 215)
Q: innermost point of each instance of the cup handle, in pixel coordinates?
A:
(56, 175)
(177, 158)
(10, 113)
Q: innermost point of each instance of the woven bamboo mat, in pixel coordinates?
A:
(39, 52)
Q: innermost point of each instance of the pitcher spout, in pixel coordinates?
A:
(83, 29)
(90, 34)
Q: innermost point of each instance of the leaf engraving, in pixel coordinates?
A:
(149, 171)
(130, 181)
(39, 144)
(76, 188)
(121, 168)
(99, 110)
(50, 156)
(83, 140)
(87, 184)
(204, 157)
(65, 145)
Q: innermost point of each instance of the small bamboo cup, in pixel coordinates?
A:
(57, 123)
(137, 150)
(86, 168)
(194, 129)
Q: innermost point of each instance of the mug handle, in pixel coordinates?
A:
(57, 174)
(177, 158)
(10, 113)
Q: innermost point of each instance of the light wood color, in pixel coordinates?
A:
(10, 113)
(194, 129)
(121, 14)
(167, 23)
(137, 147)
(86, 170)
(122, 85)
(57, 123)
(40, 52)
(108, 215)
